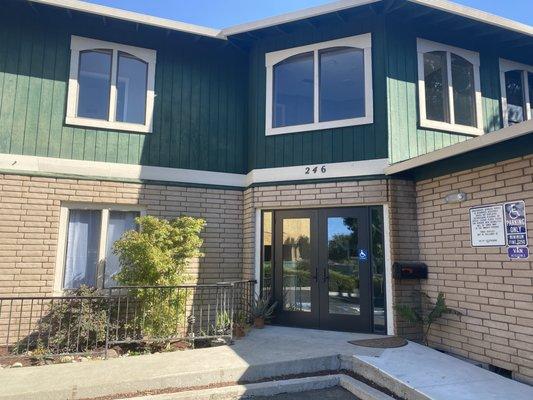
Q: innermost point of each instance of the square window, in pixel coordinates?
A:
(89, 234)
(111, 86)
(320, 86)
(517, 92)
(81, 262)
(449, 88)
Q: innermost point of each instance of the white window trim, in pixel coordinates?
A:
(505, 66)
(363, 42)
(78, 44)
(59, 274)
(424, 46)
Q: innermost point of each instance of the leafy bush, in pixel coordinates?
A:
(157, 255)
(426, 318)
(76, 324)
(341, 282)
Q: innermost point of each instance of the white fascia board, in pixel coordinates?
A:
(477, 15)
(131, 16)
(295, 16)
(12, 163)
(307, 172)
(488, 139)
(443, 5)
(115, 171)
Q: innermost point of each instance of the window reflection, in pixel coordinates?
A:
(343, 266)
(464, 103)
(94, 80)
(296, 264)
(131, 89)
(514, 91)
(266, 279)
(342, 83)
(293, 91)
(378, 269)
(436, 85)
(530, 84)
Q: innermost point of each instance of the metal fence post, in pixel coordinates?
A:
(108, 324)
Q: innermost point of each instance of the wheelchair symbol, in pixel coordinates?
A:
(513, 212)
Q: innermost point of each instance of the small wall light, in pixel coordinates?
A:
(455, 197)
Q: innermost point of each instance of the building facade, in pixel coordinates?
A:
(318, 146)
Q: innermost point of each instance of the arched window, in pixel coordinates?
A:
(517, 92)
(320, 86)
(449, 89)
(111, 85)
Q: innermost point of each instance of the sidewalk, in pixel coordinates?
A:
(415, 370)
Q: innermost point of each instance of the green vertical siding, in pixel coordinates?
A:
(361, 142)
(200, 104)
(406, 138)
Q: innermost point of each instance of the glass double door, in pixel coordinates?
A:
(322, 276)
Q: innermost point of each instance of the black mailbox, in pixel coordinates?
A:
(410, 270)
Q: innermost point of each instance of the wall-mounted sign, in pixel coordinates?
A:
(516, 230)
(487, 226)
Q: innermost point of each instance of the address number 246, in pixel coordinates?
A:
(315, 170)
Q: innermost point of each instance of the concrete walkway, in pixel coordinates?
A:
(412, 370)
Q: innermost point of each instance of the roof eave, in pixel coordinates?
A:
(295, 16)
(131, 16)
(477, 143)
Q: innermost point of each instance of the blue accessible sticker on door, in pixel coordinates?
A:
(363, 255)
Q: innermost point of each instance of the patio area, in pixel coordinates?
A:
(412, 371)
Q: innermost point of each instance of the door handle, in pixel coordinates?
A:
(326, 276)
(315, 276)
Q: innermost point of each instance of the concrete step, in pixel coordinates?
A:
(271, 388)
(136, 381)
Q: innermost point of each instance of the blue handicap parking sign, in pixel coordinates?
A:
(516, 230)
(363, 255)
(518, 252)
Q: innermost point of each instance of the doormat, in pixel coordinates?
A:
(387, 342)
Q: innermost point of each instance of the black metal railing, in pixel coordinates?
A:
(74, 324)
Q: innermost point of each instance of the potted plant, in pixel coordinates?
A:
(239, 326)
(262, 310)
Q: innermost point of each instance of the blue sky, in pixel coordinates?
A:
(224, 13)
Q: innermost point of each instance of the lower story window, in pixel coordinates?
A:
(90, 235)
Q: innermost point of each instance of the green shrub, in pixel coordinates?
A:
(76, 324)
(157, 255)
(430, 313)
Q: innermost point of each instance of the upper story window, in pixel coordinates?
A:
(449, 88)
(111, 85)
(319, 86)
(517, 92)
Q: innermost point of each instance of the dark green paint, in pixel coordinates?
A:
(209, 111)
(190, 130)
(406, 138)
(361, 142)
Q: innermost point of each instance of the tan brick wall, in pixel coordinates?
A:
(398, 194)
(30, 212)
(494, 293)
(309, 195)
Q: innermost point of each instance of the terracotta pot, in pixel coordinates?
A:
(259, 323)
(238, 331)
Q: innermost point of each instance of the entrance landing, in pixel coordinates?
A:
(414, 371)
